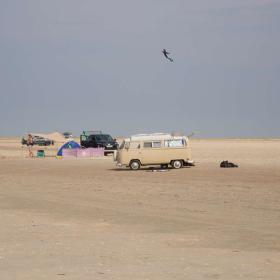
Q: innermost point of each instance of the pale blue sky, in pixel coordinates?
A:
(78, 65)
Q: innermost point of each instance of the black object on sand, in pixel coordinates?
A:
(227, 164)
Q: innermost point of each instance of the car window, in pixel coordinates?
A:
(174, 143)
(134, 145)
(156, 144)
(103, 137)
(152, 144)
(147, 144)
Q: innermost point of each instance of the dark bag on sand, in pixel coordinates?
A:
(227, 164)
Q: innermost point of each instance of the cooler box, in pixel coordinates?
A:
(40, 153)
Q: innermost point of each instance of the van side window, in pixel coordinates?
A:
(156, 144)
(174, 143)
(147, 145)
(152, 144)
(134, 145)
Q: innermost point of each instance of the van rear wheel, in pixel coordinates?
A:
(134, 165)
(176, 164)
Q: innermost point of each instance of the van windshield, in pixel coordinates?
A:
(104, 138)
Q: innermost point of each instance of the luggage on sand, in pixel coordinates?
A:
(227, 164)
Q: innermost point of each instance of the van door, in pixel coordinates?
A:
(152, 152)
(135, 150)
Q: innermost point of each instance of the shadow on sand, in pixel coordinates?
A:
(147, 169)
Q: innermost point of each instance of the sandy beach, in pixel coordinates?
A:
(87, 219)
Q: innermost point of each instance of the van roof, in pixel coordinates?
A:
(153, 136)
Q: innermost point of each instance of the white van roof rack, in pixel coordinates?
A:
(154, 136)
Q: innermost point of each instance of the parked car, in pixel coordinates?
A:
(154, 149)
(67, 135)
(97, 139)
(38, 140)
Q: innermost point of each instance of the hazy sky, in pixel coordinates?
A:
(85, 64)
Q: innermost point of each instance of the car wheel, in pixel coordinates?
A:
(134, 165)
(176, 164)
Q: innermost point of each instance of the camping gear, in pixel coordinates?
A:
(83, 153)
(40, 153)
(73, 149)
(96, 152)
(67, 145)
(227, 164)
(69, 153)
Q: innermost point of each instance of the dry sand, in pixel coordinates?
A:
(85, 219)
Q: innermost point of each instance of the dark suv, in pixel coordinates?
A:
(98, 140)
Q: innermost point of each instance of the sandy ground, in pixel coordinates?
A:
(85, 219)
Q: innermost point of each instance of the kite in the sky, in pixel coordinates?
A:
(166, 53)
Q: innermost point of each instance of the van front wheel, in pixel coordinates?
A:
(177, 164)
(134, 165)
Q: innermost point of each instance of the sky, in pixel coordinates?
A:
(74, 65)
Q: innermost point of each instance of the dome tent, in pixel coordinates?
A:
(67, 145)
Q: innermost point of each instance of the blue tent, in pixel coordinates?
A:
(68, 145)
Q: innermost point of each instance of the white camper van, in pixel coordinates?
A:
(154, 149)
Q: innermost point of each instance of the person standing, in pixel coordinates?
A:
(29, 145)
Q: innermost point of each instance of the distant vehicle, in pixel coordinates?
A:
(38, 140)
(67, 135)
(154, 149)
(97, 139)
